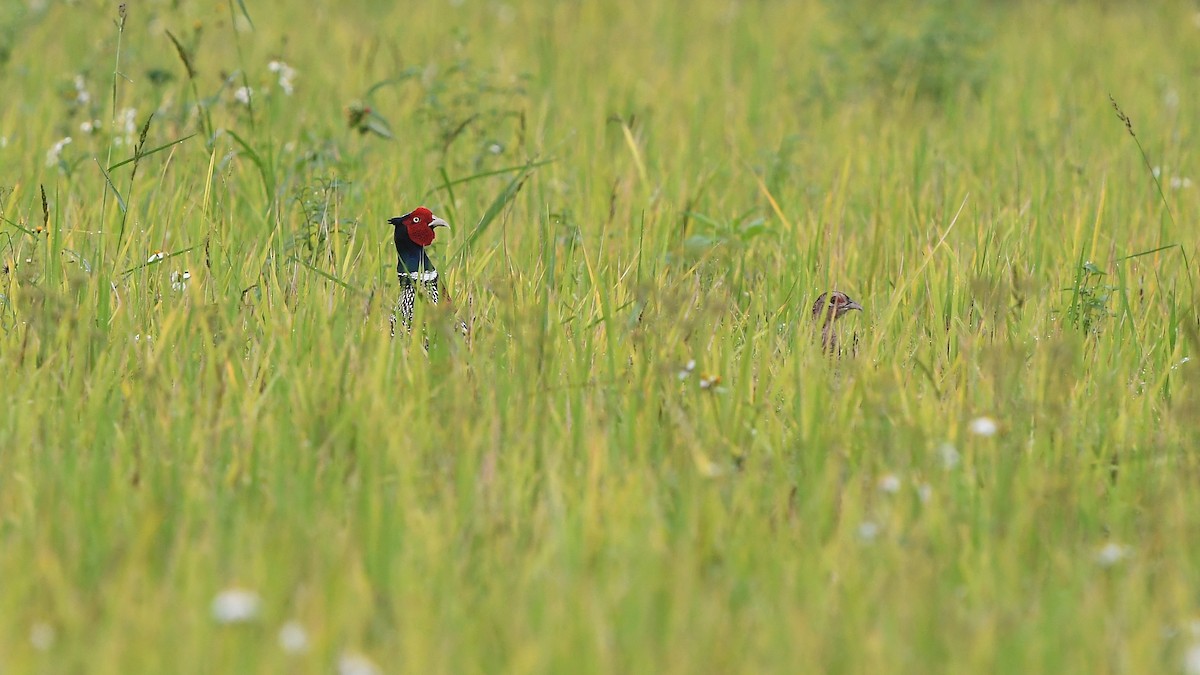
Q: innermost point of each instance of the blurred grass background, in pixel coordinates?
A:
(199, 394)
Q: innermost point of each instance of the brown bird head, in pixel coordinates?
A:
(827, 309)
(830, 306)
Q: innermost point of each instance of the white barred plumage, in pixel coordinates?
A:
(406, 303)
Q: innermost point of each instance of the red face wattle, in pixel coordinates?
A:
(418, 224)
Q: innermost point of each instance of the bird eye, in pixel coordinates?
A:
(416, 219)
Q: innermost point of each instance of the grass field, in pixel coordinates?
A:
(213, 459)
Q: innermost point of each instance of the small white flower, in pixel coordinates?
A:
(868, 531)
(889, 483)
(293, 639)
(1157, 171)
(54, 154)
(89, 126)
(1177, 183)
(156, 256)
(924, 493)
(983, 426)
(1191, 660)
(350, 663)
(495, 148)
(235, 605)
(179, 280)
(687, 369)
(127, 120)
(948, 456)
(81, 93)
(41, 636)
(243, 94)
(286, 76)
(1111, 553)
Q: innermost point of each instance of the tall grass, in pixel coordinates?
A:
(632, 187)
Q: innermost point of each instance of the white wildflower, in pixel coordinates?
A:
(983, 426)
(41, 636)
(235, 605)
(293, 639)
(243, 94)
(868, 531)
(89, 126)
(82, 97)
(286, 76)
(350, 663)
(948, 456)
(924, 493)
(54, 154)
(179, 280)
(125, 123)
(1177, 182)
(687, 369)
(889, 483)
(1191, 660)
(155, 257)
(1111, 553)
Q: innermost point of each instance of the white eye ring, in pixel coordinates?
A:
(416, 219)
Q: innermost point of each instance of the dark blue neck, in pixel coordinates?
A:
(412, 258)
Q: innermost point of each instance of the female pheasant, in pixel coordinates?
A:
(828, 308)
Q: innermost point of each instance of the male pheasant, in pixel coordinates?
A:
(414, 231)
